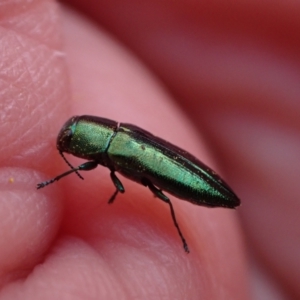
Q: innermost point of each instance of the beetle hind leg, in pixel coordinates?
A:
(158, 193)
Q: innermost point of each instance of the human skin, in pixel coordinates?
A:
(183, 75)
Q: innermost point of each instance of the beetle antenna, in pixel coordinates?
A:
(62, 155)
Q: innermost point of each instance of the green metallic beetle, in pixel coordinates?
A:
(144, 158)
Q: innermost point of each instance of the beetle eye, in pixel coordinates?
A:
(64, 140)
(67, 134)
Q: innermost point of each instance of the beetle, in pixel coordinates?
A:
(142, 157)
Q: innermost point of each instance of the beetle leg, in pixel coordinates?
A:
(118, 184)
(87, 166)
(158, 193)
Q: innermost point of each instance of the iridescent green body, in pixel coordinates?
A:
(144, 158)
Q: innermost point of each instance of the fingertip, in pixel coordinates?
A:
(29, 221)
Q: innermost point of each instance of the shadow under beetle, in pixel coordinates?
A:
(144, 158)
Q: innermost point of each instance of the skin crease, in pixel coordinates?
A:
(232, 75)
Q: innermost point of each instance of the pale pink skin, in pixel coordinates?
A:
(229, 74)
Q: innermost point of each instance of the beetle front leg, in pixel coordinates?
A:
(158, 193)
(87, 166)
(119, 187)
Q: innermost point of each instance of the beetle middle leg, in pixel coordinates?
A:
(158, 193)
(118, 184)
